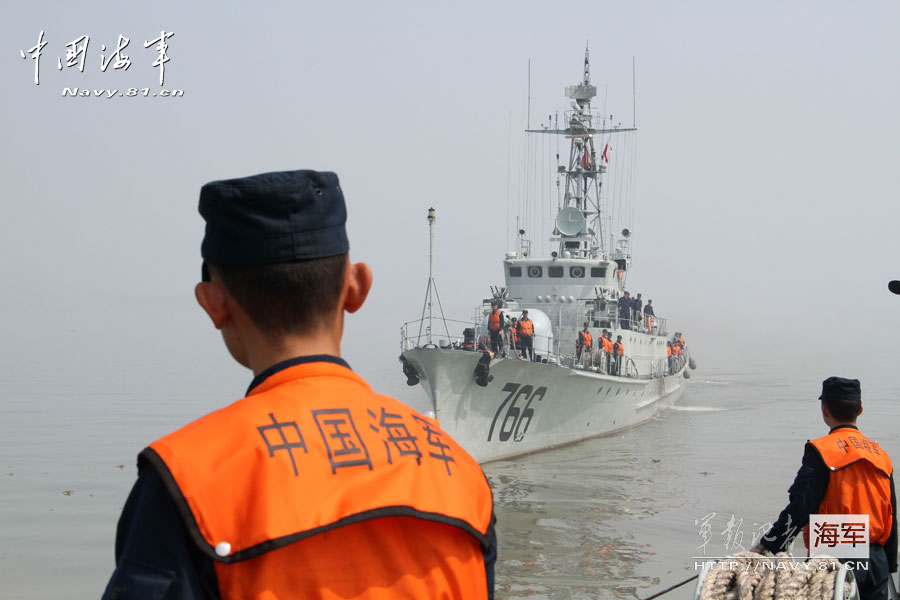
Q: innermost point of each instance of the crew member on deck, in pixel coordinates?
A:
(606, 340)
(625, 311)
(495, 329)
(844, 472)
(526, 335)
(648, 316)
(584, 343)
(312, 485)
(618, 355)
(514, 336)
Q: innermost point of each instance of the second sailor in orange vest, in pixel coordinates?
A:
(495, 328)
(313, 485)
(526, 335)
(618, 355)
(844, 473)
(585, 342)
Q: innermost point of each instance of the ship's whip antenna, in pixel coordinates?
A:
(633, 96)
(529, 94)
(432, 286)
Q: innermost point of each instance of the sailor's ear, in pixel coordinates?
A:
(358, 282)
(211, 297)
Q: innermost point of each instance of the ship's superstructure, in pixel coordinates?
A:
(499, 401)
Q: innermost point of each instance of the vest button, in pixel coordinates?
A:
(223, 549)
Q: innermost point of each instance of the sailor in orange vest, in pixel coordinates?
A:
(495, 328)
(669, 354)
(313, 485)
(844, 472)
(618, 355)
(585, 342)
(606, 340)
(526, 335)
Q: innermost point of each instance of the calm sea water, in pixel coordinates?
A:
(612, 517)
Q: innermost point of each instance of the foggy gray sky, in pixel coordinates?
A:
(767, 166)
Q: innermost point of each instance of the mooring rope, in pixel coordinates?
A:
(751, 576)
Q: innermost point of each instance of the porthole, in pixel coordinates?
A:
(535, 271)
(577, 272)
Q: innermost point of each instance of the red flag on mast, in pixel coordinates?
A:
(606, 150)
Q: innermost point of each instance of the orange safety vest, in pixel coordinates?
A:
(607, 345)
(669, 350)
(527, 327)
(676, 349)
(584, 339)
(619, 348)
(681, 340)
(859, 481)
(315, 486)
(494, 321)
(513, 335)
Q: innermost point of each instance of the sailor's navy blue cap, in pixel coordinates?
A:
(273, 218)
(844, 391)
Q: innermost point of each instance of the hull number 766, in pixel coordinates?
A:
(515, 420)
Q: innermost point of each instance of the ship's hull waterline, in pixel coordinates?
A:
(530, 406)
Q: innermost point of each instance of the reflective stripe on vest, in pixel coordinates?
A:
(859, 482)
(494, 321)
(313, 449)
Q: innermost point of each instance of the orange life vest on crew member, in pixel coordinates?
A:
(315, 486)
(681, 340)
(676, 349)
(495, 320)
(514, 336)
(619, 348)
(527, 327)
(859, 481)
(607, 345)
(669, 350)
(584, 339)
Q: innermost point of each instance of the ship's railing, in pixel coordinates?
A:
(599, 361)
(595, 360)
(414, 334)
(606, 314)
(419, 334)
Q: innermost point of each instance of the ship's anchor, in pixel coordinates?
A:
(483, 370)
(412, 376)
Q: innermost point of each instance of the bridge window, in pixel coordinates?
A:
(515, 271)
(555, 271)
(535, 271)
(598, 272)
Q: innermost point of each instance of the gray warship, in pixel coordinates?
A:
(500, 404)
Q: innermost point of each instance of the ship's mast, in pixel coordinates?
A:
(431, 292)
(578, 224)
